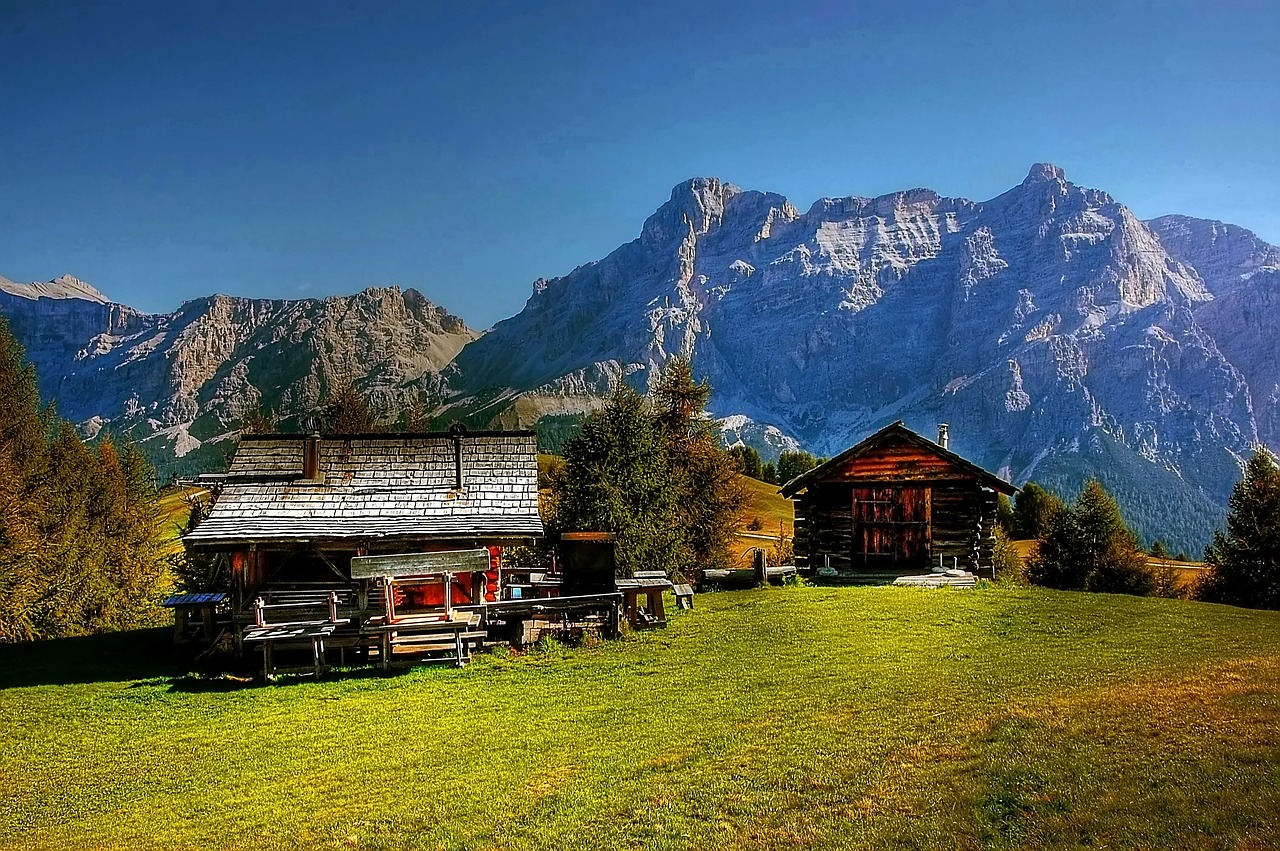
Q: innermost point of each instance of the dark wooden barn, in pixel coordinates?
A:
(895, 503)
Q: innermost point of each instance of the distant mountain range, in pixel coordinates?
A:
(1058, 334)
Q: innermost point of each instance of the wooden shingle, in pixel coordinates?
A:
(385, 486)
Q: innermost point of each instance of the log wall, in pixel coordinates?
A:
(961, 511)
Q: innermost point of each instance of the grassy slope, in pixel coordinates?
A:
(174, 511)
(774, 513)
(840, 718)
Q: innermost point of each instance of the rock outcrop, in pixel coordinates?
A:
(186, 380)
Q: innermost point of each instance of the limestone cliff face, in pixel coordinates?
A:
(180, 380)
(1243, 318)
(1055, 331)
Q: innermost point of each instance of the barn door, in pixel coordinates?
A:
(891, 527)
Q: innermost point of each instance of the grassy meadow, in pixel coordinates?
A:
(773, 718)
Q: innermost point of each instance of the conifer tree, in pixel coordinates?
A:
(1004, 514)
(748, 460)
(1244, 560)
(78, 543)
(1034, 509)
(655, 475)
(1089, 547)
(794, 463)
(710, 494)
(615, 478)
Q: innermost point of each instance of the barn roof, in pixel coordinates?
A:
(895, 430)
(389, 486)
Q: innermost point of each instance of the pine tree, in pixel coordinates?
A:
(1089, 547)
(1034, 509)
(1244, 560)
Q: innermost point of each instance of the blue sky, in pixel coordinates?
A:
(164, 151)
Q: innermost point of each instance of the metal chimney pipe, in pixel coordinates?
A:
(311, 457)
(943, 437)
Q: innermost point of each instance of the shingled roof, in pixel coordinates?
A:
(377, 486)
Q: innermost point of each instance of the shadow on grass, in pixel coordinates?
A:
(224, 682)
(140, 654)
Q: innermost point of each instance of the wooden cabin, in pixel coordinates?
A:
(895, 503)
(425, 517)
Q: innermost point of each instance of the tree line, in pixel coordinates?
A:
(80, 544)
(791, 463)
(1087, 545)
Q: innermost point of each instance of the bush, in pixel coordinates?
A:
(1009, 566)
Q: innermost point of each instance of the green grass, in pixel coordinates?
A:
(784, 717)
(174, 508)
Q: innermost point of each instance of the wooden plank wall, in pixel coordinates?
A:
(899, 461)
(962, 517)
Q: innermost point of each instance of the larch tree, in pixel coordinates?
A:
(711, 496)
(78, 539)
(347, 411)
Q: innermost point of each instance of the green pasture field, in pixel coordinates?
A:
(777, 718)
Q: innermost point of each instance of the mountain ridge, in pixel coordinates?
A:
(1058, 334)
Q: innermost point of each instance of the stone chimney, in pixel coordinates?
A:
(943, 437)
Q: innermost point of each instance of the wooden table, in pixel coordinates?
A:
(291, 633)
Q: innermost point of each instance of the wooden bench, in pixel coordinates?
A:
(420, 635)
(306, 619)
(684, 596)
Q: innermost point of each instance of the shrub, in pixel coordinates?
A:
(1009, 566)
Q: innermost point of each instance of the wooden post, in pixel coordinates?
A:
(206, 621)
(179, 623)
(333, 607)
(448, 595)
(761, 566)
(389, 599)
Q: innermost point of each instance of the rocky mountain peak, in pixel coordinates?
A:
(1045, 172)
(1224, 255)
(696, 206)
(66, 286)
